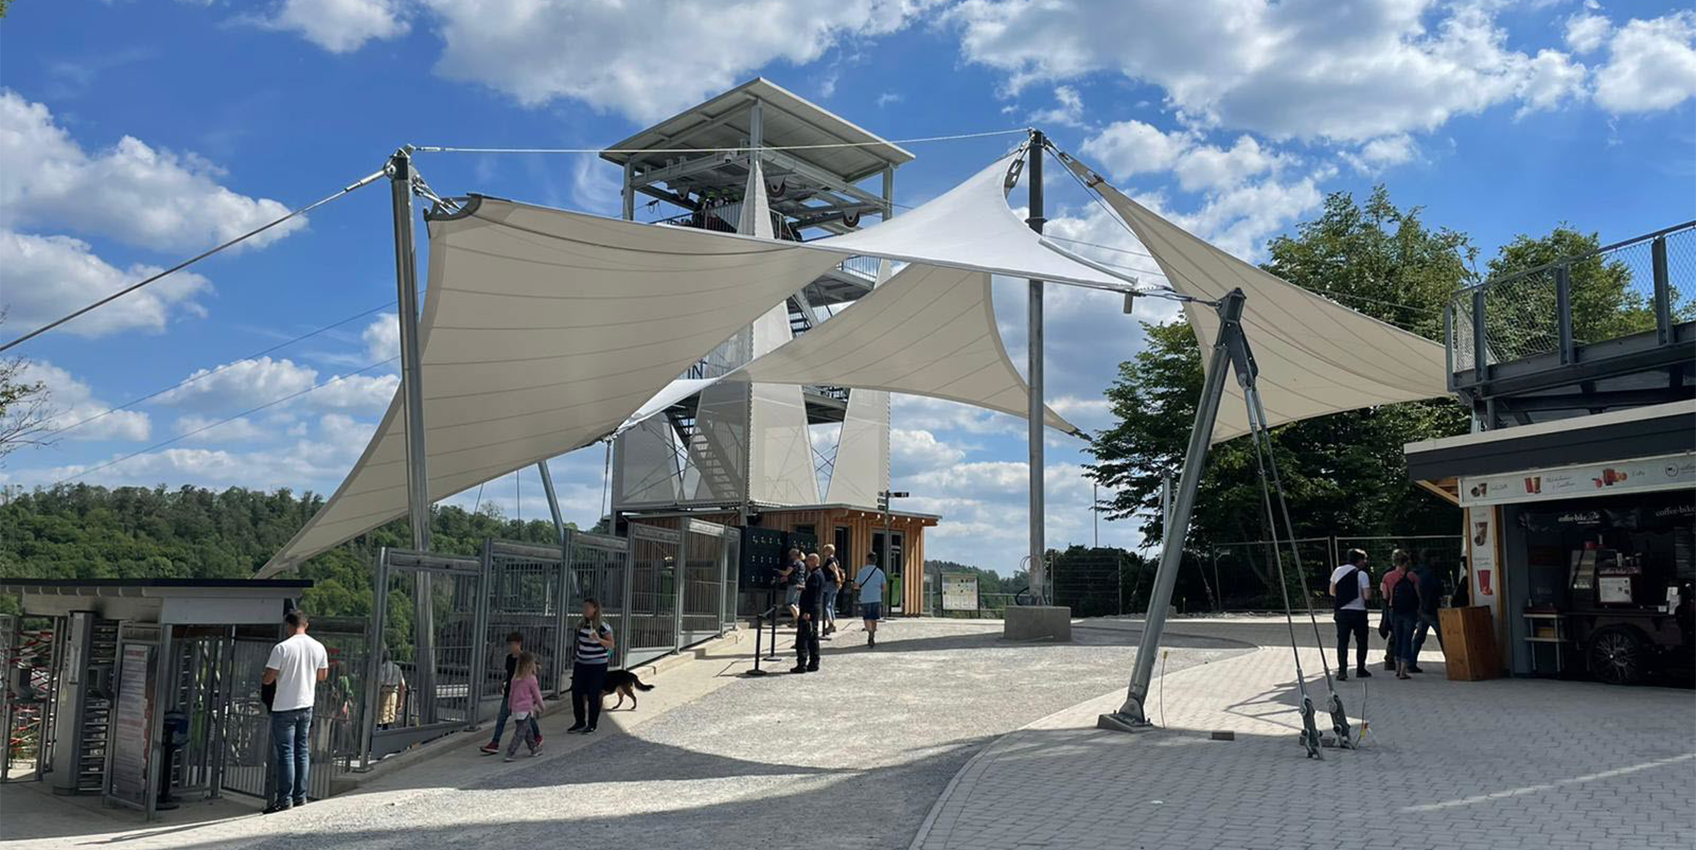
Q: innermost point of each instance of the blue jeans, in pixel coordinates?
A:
(291, 744)
(829, 618)
(1401, 629)
(500, 724)
(1427, 624)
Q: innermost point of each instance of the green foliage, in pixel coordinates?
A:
(83, 531)
(1341, 473)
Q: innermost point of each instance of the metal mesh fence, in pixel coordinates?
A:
(1520, 318)
(526, 596)
(1681, 273)
(1610, 293)
(1090, 581)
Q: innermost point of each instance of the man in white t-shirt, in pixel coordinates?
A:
(1351, 586)
(870, 583)
(295, 668)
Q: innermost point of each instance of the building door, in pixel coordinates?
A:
(892, 594)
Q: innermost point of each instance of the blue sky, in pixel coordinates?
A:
(133, 134)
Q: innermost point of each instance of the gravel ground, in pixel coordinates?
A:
(853, 756)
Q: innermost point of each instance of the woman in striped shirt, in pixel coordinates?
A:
(589, 669)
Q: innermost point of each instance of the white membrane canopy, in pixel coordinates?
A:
(543, 330)
(929, 331)
(1316, 357)
(969, 227)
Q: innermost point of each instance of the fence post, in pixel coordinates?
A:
(1563, 311)
(562, 612)
(1663, 290)
(480, 636)
(376, 649)
(1480, 342)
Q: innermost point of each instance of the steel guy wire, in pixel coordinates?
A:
(365, 181)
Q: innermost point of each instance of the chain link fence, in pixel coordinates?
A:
(1244, 574)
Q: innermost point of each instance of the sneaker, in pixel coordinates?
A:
(799, 669)
(1362, 673)
(300, 801)
(506, 758)
(871, 640)
(1342, 675)
(575, 728)
(1414, 668)
(588, 730)
(536, 750)
(813, 669)
(489, 749)
(277, 807)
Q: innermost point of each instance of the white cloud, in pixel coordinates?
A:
(888, 98)
(1651, 65)
(1291, 69)
(131, 192)
(1552, 77)
(382, 338)
(919, 449)
(1208, 167)
(1068, 109)
(1379, 154)
(593, 188)
(42, 278)
(361, 393)
(1125, 148)
(73, 401)
(206, 429)
(341, 26)
(1587, 31)
(255, 382)
(603, 52)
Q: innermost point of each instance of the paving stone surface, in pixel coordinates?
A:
(1452, 765)
(851, 757)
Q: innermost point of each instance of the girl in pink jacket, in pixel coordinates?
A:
(525, 700)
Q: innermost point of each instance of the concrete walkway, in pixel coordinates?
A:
(1486, 765)
(853, 756)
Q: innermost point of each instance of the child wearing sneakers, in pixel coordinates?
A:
(525, 696)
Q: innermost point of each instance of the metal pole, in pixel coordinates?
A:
(1034, 345)
(1095, 511)
(1663, 290)
(406, 280)
(553, 500)
(1131, 714)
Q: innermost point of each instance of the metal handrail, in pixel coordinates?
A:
(1567, 261)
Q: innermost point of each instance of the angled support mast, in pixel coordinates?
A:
(1230, 349)
(401, 178)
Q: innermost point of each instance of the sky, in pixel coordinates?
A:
(135, 134)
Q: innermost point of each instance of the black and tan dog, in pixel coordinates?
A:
(625, 684)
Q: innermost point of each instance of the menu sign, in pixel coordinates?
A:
(959, 592)
(1645, 475)
(132, 725)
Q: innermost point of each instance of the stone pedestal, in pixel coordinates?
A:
(1038, 622)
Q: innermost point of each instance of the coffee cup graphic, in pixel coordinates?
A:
(1484, 583)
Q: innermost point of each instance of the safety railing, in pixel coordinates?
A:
(1646, 284)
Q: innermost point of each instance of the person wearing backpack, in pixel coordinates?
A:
(1350, 588)
(1401, 598)
(869, 583)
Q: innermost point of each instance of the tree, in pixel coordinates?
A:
(1341, 473)
(25, 409)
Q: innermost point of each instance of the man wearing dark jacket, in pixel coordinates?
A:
(807, 624)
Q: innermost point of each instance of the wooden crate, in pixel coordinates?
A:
(1469, 643)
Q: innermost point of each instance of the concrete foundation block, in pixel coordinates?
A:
(1038, 622)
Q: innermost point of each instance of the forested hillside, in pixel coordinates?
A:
(79, 531)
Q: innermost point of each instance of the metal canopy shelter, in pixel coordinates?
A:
(138, 663)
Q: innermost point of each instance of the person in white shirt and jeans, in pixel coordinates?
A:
(1351, 587)
(296, 666)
